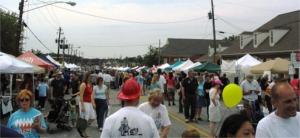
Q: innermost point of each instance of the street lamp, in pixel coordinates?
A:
(19, 25)
(47, 4)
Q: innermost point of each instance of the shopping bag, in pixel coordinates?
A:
(108, 110)
(81, 123)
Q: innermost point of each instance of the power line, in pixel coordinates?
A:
(133, 45)
(55, 20)
(247, 6)
(37, 37)
(130, 21)
(238, 19)
(231, 24)
(6, 8)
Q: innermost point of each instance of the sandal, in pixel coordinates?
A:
(80, 132)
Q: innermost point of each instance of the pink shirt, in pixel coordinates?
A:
(170, 82)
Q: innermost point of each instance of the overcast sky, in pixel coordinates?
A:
(96, 27)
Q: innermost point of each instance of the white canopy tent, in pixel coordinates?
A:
(238, 68)
(53, 61)
(163, 66)
(139, 69)
(183, 65)
(11, 65)
(186, 69)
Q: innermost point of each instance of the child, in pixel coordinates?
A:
(73, 112)
(42, 88)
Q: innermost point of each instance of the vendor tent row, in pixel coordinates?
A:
(178, 66)
(245, 65)
(34, 64)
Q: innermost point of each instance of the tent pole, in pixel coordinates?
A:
(33, 91)
(10, 91)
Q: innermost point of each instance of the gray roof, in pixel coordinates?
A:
(177, 47)
(289, 42)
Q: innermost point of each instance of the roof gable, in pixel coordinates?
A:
(288, 43)
(186, 47)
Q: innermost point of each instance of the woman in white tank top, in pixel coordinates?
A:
(214, 111)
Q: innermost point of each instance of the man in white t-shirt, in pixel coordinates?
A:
(100, 74)
(251, 89)
(157, 111)
(107, 79)
(129, 121)
(285, 120)
(162, 80)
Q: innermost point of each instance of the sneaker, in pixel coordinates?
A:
(200, 119)
(186, 120)
(100, 129)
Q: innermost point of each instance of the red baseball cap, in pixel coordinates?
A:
(130, 90)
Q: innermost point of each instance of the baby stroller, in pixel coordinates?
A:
(59, 115)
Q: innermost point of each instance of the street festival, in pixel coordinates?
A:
(149, 68)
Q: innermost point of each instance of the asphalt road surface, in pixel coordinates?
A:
(177, 119)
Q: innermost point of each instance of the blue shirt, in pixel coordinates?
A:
(201, 89)
(140, 79)
(21, 122)
(43, 87)
(100, 93)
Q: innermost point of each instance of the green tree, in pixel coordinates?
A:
(231, 38)
(151, 58)
(8, 24)
(36, 52)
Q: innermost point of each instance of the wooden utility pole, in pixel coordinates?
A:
(19, 29)
(214, 30)
(58, 43)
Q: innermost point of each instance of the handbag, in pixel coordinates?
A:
(81, 123)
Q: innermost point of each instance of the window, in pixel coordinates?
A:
(241, 40)
(255, 38)
(271, 36)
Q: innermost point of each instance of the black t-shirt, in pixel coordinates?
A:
(58, 87)
(207, 85)
(263, 84)
(75, 86)
(190, 86)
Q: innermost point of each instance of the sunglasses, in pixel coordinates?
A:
(24, 100)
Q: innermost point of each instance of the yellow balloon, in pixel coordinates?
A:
(232, 95)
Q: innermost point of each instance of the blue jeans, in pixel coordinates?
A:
(101, 110)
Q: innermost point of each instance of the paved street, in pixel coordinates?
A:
(177, 120)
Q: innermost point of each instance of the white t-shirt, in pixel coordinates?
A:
(246, 86)
(159, 114)
(162, 81)
(107, 78)
(100, 74)
(275, 126)
(129, 122)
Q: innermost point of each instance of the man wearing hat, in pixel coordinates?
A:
(58, 86)
(129, 121)
(250, 88)
(189, 93)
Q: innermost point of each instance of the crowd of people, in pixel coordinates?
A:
(91, 92)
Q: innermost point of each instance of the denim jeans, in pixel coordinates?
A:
(101, 109)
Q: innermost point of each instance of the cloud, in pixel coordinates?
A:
(81, 29)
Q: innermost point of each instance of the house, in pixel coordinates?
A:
(278, 37)
(180, 49)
